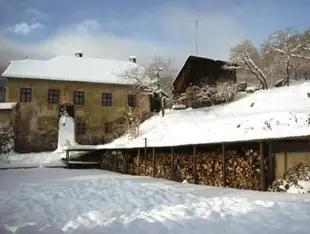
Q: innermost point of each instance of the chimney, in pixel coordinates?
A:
(78, 54)
(132, 59)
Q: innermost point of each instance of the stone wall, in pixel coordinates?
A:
(37, 121)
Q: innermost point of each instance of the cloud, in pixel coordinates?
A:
(89, 26)
(36, 14)
(165, 31)
(26, 29)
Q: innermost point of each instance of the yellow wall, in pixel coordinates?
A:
(285, 161)
(5, 118)
(41, 118)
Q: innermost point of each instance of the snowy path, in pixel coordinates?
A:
(94, 201)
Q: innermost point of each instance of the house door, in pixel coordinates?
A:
(69, 108)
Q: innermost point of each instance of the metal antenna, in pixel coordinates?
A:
(196, 37)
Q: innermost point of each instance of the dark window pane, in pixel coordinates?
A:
(25, 94)
(53, 96)
(132, 100)
(78, 98)
(107, 99)
(108, 128)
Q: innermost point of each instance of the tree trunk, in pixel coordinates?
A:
(288, 71)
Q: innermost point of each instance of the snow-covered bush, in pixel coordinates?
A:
(295, 180)
(6, 139)
(133, 119)
(207, 95)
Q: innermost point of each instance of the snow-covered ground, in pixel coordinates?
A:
(31, 160)
(274, 113)
(57, 201)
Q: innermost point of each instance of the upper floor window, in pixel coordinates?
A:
(78, 97)
(107, 99)
(53, 96)
(25, 94)
(132, 100)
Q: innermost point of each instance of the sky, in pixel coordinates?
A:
(116, 29)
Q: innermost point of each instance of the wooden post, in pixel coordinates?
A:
(224, 165)
(270, 166)
(138, 162)
(172, 163)
(145, 154)
(262, 166)
(154, 163)
(195, 165)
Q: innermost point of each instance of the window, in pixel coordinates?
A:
(53, 96)
(78, 98)
(108, 128)
(107, 99)
(25, 94)
(80, 126)
(132, 100)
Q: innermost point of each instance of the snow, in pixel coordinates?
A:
(71, 68)
(266, 114)
(7, 105)
(55, 201)
(302, 187)
(66, 133)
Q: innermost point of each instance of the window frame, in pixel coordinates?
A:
(106, 99)
(25, 94)
(132, 98)
(53, 96)
(80, 124)
(81, 97)
(108, 127)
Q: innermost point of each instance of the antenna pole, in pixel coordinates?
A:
(196, 37)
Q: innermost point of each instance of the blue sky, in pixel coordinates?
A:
(118, 28)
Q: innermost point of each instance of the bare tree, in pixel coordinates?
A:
(153, 79)
(287, 43)
(244, 55)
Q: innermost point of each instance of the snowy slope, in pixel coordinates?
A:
(279, 112)
(55, 201)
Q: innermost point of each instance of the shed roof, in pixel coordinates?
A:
(7, 105)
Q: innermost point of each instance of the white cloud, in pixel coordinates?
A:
(36, 14)
(89, 26)
(172, 30)
(25, 29)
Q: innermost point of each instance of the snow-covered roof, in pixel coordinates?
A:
(7, 105)
(276, 113)
(71, 68)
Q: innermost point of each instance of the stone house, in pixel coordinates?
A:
(93, 91)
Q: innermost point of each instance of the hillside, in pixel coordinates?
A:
(274, 113)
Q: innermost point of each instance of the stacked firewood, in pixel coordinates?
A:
(291, 177)
(242, 167)
(118, 161)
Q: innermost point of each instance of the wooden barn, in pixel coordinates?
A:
(197, 70)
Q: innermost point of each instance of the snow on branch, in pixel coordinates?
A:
(242, 55)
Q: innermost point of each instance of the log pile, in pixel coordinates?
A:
(118, 161)
(242, 167)
(291, 177)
